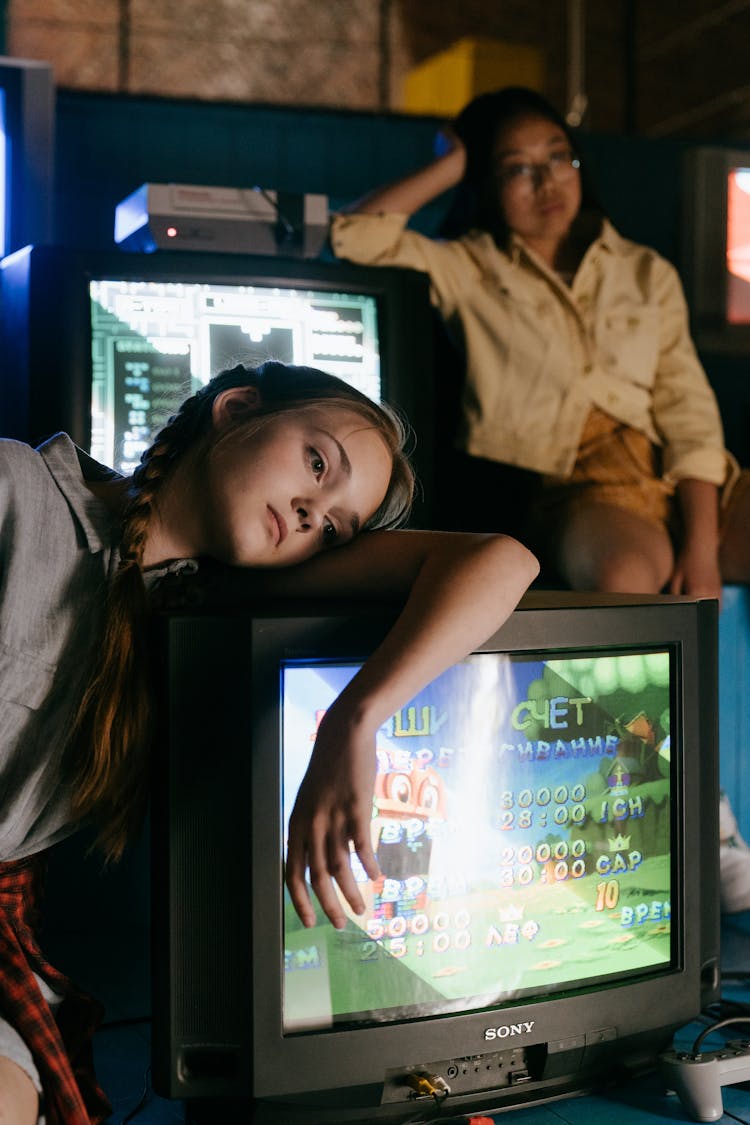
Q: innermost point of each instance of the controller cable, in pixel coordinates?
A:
(730, 1021)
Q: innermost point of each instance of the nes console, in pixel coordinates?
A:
(222, 219)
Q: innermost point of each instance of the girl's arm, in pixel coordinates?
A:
(415, 190)
(460, 588)
(696, 570)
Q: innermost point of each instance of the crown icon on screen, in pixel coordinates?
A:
(510, 913)
(619, 843)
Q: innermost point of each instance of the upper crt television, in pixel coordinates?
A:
(545, 820)
(716, 245)
(106, 345)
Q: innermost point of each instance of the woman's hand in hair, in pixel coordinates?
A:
(448, 143)
(418, 188)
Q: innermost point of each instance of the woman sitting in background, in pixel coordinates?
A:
(579, 362)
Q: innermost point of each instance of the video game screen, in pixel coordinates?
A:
(155, 343)
(738, 246)
(522, 823)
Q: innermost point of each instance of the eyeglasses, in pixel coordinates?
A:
(527, 176)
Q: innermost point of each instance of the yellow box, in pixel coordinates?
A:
(444, 83)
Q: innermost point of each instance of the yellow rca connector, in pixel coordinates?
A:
(428, 1085)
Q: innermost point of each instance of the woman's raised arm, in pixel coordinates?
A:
(415, 190)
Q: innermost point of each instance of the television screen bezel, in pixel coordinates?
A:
(644, 1012)
(45, 316)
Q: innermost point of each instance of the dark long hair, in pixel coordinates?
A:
(112, 732)
(476, 201)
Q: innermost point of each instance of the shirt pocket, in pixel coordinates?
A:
(24, 678)
(628, 343)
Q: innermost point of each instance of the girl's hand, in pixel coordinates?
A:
(333, 807)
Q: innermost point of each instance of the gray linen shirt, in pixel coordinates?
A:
(56, 557)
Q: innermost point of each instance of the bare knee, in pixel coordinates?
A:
(19, 1101)
(626, 573)
(615, 552)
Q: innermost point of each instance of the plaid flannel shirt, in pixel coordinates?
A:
(62, 1046)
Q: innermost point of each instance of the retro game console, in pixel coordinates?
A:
(222, 219)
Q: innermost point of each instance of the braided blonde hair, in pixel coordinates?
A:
(112, 733)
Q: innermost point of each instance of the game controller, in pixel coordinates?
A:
(697, 1078)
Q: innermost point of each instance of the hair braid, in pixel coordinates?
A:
(113, 728)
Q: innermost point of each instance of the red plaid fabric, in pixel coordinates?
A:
(61, 1046)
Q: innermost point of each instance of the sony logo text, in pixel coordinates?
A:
(507, 1029)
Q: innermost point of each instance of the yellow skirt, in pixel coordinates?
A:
(616, 465)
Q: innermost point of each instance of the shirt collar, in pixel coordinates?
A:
(70, 468)
(607, 239)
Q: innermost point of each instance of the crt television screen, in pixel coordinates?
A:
(738, 246)
(154, 343)
(522, 823)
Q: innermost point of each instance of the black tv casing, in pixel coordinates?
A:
(45, 330)
(217, 883)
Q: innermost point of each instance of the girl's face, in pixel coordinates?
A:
(538, 182)
(301, 484)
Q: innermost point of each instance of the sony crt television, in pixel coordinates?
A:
(107, 344)
(545, 821)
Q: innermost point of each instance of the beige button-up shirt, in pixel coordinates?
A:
(540, 354)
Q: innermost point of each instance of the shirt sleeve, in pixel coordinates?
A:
(385, 240)
(686, 414)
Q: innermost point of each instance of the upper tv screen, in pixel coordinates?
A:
(155, 342)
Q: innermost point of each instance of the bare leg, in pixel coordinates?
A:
(605, 548)
(19, 1101)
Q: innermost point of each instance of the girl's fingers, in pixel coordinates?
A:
(296, 884)
(328, 857)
